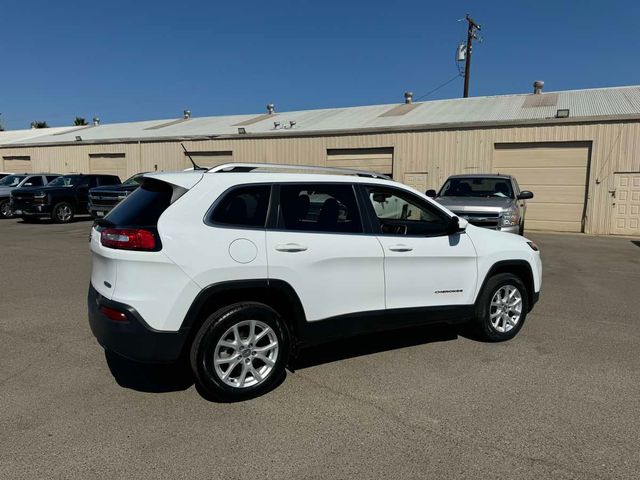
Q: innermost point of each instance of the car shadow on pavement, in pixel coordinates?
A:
(636, 243)
(373, 343)
(149, 377)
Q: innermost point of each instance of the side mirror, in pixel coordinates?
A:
(525, 195)
(431, 193)
(454, 226)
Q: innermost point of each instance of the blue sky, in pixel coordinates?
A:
(137, 60)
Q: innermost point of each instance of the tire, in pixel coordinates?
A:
(499, 328)
(5, 210)
(245, 375)
(62, 212)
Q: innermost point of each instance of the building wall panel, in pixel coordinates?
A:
(615, 147)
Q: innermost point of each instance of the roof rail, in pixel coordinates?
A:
(249, 167)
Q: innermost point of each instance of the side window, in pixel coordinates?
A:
(243, 206)
(319, 208)
(401, 213)
(35, 181)
(84, 182)
(51, 178)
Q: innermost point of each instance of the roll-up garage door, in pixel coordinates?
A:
(17, 164)
(109, 164)
(378, 160)
(557, 176)
(626, 208)
(209, 159)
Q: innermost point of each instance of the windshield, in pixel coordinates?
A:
(477, 187)
(134, 180)
(65, 181)
(12, 180)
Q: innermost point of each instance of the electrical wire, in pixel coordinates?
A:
(439, 87)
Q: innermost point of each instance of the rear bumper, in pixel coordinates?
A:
(133, 339)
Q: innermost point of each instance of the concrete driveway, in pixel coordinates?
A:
(562, 400)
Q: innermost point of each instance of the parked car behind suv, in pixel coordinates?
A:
(12, 181)
(103, 199)
(486, 200)
(61, 200)
(239, 267)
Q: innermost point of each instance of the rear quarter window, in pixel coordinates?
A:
(244, 206)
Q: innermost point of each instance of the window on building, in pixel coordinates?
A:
(243, 207)
(319, 208)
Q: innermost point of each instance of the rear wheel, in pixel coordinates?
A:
(5, 209)
(62, 212)
(240, 352)
(501, 308)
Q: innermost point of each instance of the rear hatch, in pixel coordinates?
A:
(128, 235)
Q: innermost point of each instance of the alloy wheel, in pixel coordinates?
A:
(246, 354)
(5, 210)
(506, 308)
(64, 213)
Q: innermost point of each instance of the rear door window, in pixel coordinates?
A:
(244, 206)
(330, 208)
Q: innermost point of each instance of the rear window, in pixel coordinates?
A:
(109, 180)
(143, 207)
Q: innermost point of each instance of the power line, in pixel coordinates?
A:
(439, 87)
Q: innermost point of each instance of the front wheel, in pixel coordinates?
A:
(240, 352)
(62, 212)
(501, 308)
(5, 209)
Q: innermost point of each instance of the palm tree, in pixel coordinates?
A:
(79, 121)
(39, 124)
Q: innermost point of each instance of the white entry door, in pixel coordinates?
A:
(626, 204)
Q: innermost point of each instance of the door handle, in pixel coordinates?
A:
(400, 248)
(291, 247)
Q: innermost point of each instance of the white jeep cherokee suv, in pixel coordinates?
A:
(239, 266)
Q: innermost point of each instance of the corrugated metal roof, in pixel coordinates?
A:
(592, 104)
(11, 136)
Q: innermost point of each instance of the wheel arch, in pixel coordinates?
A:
(276, 294)
(521, 269)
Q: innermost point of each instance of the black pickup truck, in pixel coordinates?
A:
(103, 199)
(61, 199)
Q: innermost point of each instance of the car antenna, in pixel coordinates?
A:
(195, 165)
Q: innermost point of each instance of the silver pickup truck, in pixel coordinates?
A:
(486, 200)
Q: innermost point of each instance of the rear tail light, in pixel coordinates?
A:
(128, 239)
(113, 314)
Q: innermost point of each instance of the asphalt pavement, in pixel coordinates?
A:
(561, 400)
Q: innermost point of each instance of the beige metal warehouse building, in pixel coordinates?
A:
(578, 151)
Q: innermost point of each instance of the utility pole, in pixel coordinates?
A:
(471, 34)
